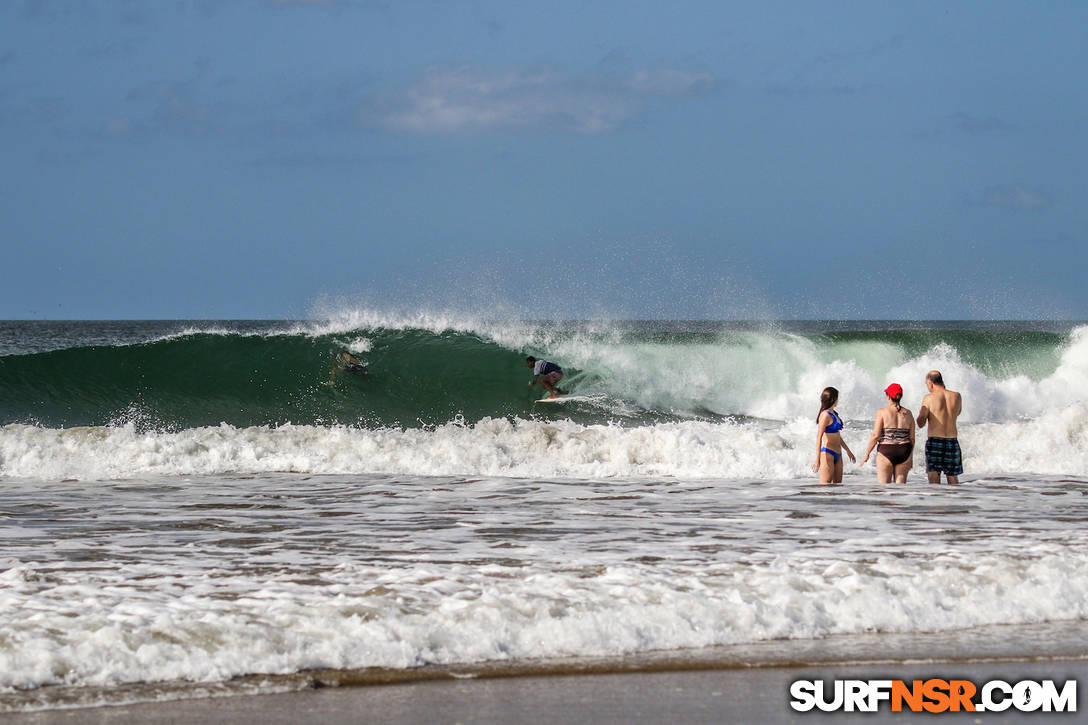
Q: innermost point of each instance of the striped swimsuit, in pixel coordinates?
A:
(895, 445)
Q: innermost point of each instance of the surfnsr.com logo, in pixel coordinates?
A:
(933, 695)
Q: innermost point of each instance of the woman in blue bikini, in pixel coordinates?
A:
(829, 439)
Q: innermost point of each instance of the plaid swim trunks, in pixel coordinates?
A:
(943, 455)
(552, 378)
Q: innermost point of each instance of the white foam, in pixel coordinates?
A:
(102, 630)
(1054, 443)
(360, 345)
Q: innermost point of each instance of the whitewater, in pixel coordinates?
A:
(446, 397)
(188, 503)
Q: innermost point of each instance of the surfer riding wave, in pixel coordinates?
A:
(548, 373)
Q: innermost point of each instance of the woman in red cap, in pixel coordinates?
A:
(893, 436)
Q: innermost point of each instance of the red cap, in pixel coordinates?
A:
(894, 390)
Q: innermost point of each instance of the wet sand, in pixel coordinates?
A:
(747, 695)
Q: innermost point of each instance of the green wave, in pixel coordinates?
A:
(411, 378)
(418, 378)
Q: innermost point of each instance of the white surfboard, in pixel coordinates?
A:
(566, 399)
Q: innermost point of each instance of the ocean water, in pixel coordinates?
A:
(192, 504)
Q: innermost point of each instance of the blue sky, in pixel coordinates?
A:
(280, 158)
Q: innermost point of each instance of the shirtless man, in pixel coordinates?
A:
(940, 408)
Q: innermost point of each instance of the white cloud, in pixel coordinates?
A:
(1015, 197)
(118, 127)
(170, 106)
(668, 82)
(455, 99)
(303, 3)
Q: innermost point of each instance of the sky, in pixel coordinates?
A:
(228, 159)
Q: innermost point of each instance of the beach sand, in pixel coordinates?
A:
(732, 695)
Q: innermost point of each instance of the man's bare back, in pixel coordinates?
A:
(940, 409)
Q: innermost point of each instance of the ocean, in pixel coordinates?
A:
(216, 507)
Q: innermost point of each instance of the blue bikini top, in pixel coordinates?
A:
(835, 425)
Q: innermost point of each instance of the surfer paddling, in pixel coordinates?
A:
(940, 409)
(548, 373)
(829, 439)
(344, 360)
